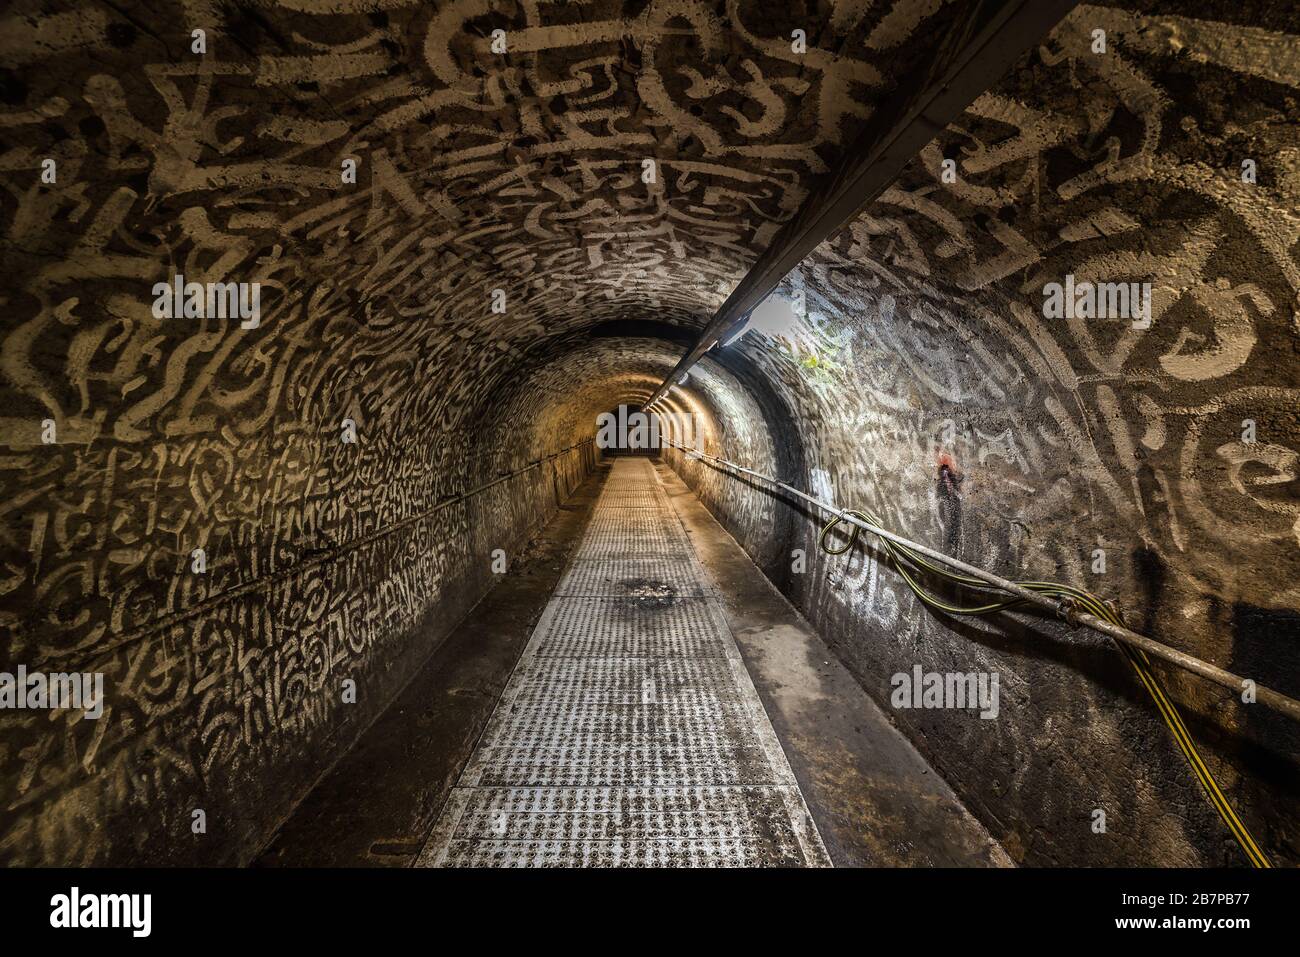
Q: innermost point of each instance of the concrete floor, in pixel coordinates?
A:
(876, 800)
(669, 708)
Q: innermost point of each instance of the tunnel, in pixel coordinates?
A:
(666, 433)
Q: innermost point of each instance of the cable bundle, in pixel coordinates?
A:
(1069, 599)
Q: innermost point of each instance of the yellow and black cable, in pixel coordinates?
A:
(1070, 597)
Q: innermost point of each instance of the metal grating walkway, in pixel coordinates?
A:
(630, 733)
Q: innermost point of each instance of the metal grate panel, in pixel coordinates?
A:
(630, 733)
(628, 627)
(621, 536)
(629, 499)
(658, 580)
(626, 827)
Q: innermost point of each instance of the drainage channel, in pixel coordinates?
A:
(630, 733)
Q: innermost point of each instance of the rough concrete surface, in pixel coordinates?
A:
(376, 806)
(876, 801)
(531, 239)
(926, 383)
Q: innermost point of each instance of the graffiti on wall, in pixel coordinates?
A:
(926, 381)
(432, 201)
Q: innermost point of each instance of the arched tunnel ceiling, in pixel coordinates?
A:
(522, 172)
(480, 171)
(477, 171)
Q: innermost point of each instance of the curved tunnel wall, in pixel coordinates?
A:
(925, 382)
(923, 345)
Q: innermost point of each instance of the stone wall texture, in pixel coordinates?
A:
(925, 383)
(919, 376)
